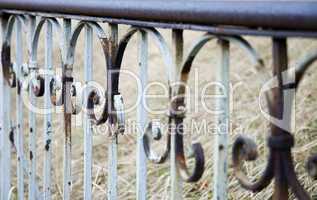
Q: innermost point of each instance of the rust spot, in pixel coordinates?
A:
(31, 155)
(19, 85)
(6, 60)
(31, 130)
(11, 136)
(221, 147)
(47, 145)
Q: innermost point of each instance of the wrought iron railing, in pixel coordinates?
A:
(223, 20)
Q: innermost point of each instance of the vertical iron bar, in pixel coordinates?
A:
(88, 65)
(142, 117)
(280, 64)
(176, 182)
(113, 140)
(32, 123)
(221, 141)
(67, 114)
(48, 116)
(1, 108)
(5, 125)
(19, 110)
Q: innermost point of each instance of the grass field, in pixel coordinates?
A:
(246, 118)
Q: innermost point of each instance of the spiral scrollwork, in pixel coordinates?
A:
(56, 91)
(152, 156)
(8, 68)
(37, 85)
(153, 132)
(180, 102)
(245, 148)
(280, 164)
(178, 112)
(300, 70)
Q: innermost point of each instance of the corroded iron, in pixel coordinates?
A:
(212, 17)
(273, 14)
(148, 136)
(280, 164)
(7, 65)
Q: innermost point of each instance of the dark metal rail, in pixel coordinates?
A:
(300, 15)
(225, 21)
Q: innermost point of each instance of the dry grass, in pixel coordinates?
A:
(245, 119)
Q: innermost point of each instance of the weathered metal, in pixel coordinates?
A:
(67, 111)
(222, 20)
(47, 124)
(175, 131)
(280, 163)
(218, 30)
(19, 110)
(142, 118)
(88, 139)
(299, 15)
(149, 136)
(32, 123)
(112, 91)
(221, 139)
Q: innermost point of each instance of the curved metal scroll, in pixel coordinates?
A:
(93, 96)
(37, 80)
(152, 131)
(280, 164)
(243, 147)
(180, 103)
(68, 67)
(151, 155)
(7, 65)
(300, 70)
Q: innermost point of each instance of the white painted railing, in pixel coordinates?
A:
(31, 80)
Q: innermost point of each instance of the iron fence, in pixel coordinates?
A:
(224, 21)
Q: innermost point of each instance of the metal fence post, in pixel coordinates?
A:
(176, 181)
(113, 139)
(88, 65)
(32, 123)
(142, 117)
(67, 181)
(19, 110)
(48, 130)
(5, 127)
(221, 141)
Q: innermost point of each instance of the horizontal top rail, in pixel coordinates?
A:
(289, 15)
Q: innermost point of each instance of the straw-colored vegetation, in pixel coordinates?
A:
(246, 118)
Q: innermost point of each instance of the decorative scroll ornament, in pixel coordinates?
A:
(56, 91)
(8, 68)
(280, 164)
(179, 104)
(300, 70)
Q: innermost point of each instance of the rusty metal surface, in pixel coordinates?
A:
(300, 15)
(218, 30)
(294, 17)
(280, 165)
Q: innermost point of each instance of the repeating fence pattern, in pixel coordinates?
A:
(61, 91)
